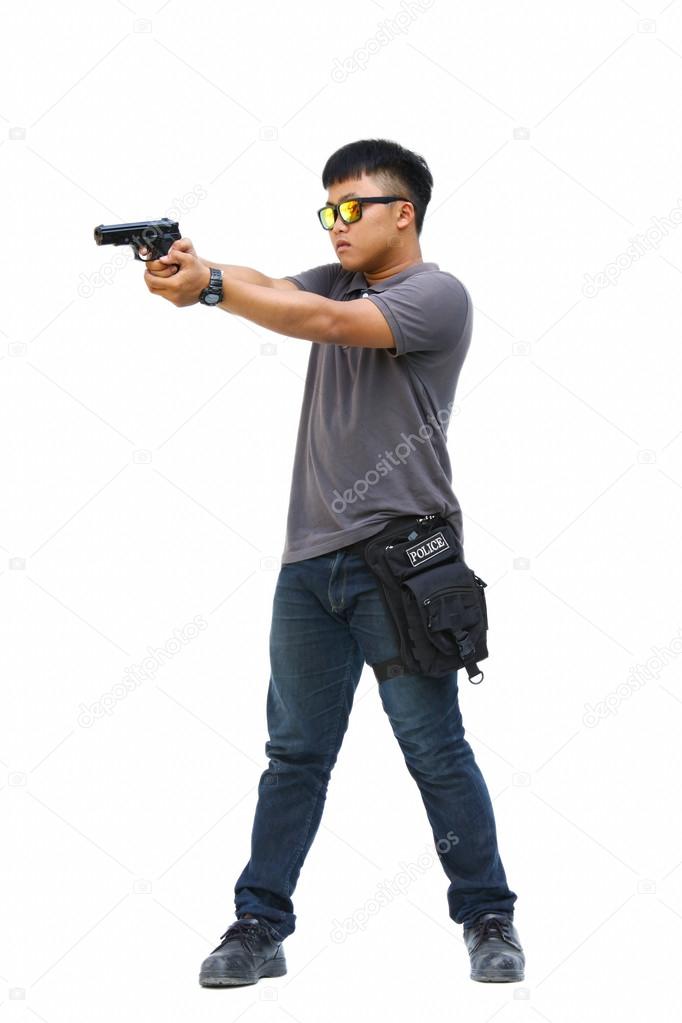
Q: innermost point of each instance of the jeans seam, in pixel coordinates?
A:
(318, 794)
(341, 581)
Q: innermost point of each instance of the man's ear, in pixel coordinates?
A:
(405, 216)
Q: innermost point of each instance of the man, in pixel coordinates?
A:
(371, 447)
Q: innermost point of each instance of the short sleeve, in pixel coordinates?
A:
(319, 279)
(428, 311)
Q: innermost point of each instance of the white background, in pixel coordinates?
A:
(553, 134)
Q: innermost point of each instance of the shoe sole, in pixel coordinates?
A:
(230, 980)
(499, 976)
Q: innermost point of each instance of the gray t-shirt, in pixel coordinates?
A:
(372, 434)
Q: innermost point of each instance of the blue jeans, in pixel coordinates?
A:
(328, 620)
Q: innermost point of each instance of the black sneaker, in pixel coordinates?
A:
(248, 951)
(494, 948)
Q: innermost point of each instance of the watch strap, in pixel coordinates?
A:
(214, 288)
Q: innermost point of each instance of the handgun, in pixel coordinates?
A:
(151, 237)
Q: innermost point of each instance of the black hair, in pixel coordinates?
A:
(398, 170)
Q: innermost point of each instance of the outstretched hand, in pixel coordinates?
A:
(179, 276)
(164, 267)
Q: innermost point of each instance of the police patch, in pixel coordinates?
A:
(426, 549)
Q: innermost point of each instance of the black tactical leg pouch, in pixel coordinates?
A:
(436, 601)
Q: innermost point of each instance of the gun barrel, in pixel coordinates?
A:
(142, 230)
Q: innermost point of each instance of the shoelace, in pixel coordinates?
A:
(493, 926)
(243, 932)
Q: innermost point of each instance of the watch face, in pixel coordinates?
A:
(212, 299)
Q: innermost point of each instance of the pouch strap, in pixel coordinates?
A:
(466, 652)
(391, 668)
(473, 669)
(394, 668)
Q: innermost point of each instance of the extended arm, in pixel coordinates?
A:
(249, 276)
(307, 316)
(279, 306)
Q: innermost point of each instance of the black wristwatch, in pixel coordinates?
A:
(213, 294)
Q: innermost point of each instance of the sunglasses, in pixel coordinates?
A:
(351, 209)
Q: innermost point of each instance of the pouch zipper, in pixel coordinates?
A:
(424, 518)
(448, 589)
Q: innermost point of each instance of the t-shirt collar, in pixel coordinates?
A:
(358, 281)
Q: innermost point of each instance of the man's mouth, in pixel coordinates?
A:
(343, 245)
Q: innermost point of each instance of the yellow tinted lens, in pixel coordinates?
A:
(350, 210)
(327, 217)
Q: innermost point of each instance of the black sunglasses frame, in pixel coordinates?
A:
(361, 200)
